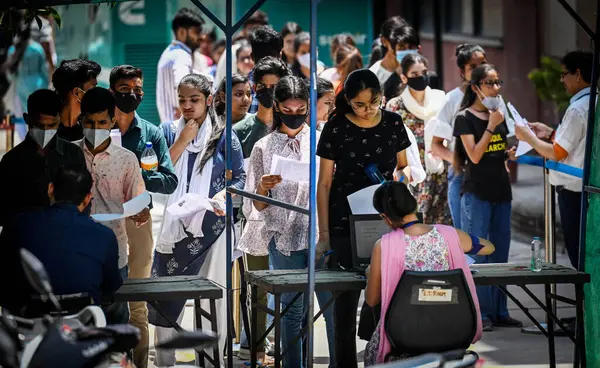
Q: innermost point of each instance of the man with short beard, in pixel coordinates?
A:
(176, 62)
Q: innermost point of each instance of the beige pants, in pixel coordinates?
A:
(141, 248)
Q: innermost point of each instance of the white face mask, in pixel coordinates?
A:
(304, 60)
(42, 137)
(96, 136)
(491, 103)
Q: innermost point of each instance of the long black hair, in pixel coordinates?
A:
(395, 201)
(301, 38)
(203, 85)
(323, 86)
(478, 75)
(220, 102)
(356, 82)
(464, 53)
(290, 87)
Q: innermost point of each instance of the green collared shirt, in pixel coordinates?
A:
(163, 180)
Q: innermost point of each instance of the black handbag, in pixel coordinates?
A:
(369, 319)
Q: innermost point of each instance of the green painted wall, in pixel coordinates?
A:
(334, 16)
(592, 257)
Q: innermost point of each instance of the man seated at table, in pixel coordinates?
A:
(80, 255)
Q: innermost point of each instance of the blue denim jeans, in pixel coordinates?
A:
(454, 187)
(293, 319)
(489, 221)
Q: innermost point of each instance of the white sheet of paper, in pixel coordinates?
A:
(246, 164)
(361, 202)
(470, 260)
(191, 204)
(115, 136)
(523, 147)
(130, 208)
(291, 170)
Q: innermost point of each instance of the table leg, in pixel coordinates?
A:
(277, 321)
(198, 316)
(253, 330)
(550, 327)
(213, 322)
(580, 332)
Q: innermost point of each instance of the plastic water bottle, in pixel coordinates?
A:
(149, 158)
(373, 173)
(536, 255)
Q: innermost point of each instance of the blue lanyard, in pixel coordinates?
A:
(409, 224)
(580, 97)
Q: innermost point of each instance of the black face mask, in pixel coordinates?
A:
(127, 102)
(418, 83)
(292, 121)
(265, 97)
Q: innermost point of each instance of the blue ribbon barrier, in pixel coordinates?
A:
(551, 165)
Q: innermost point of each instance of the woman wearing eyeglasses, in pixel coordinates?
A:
(481, 151)
(358, 135)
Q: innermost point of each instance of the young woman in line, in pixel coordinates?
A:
(480, 152)
(416, 247)
(325, 101)
(288, 33)
(241, 98)
(417, 105)
(195, 244)
(278, 232)
(360, 134)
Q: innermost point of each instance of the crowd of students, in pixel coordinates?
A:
(432, 149)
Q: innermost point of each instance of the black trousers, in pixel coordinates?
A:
(345, 309)
(569, 205)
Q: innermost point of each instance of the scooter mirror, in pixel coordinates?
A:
(37, 276)
(190, 340)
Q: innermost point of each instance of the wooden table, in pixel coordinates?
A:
(285, 281)
(154, 290)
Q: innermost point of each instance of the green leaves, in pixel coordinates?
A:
(546, 80)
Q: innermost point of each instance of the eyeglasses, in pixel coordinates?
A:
(492, 83)
(366, 107)
(564, 73)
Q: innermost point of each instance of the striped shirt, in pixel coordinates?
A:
(174, 64)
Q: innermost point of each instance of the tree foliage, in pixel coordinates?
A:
(548, 86)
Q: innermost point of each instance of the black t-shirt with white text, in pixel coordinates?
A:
(488, 179)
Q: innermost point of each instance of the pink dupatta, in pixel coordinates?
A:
(393, 249)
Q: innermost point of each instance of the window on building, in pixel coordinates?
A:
(474, 18)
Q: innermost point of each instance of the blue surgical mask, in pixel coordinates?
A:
(401, 54)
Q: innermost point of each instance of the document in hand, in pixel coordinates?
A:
(523, 147)
(291, 170)
(191, 203)
(361, 202)
(130, 208)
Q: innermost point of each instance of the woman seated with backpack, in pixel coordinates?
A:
(416, 247)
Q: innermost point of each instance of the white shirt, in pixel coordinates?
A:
(444, 120)
(570, 135)
(174, 64)
(382, 73)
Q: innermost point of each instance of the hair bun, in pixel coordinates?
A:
(459, 48)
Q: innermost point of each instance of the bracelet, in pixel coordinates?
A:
(487, 130)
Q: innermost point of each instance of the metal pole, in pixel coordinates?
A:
(310, 288)
(228, 175)
(439, 50)
(589, 142)
(549, 225)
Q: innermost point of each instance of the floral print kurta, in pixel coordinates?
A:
(432, 193)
